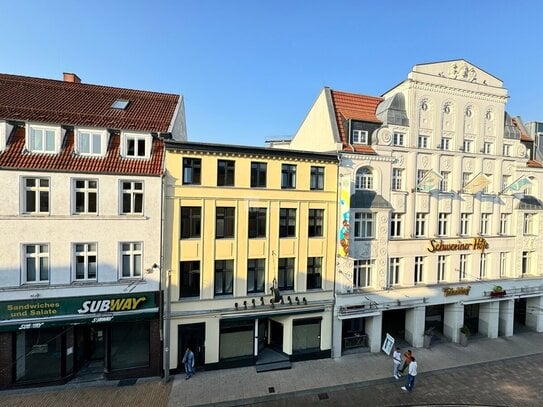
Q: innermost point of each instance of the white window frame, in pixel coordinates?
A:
(420, 175)
(85, 190)
(133, 192)
(503, 263)
(364, 225)
(467, 146)
(29, 144)
(398, 139)
(466, 178)
(441, 268)
(418, 270)
(463, 266)
(397, 179)
(131, 251)
(527, 262)
(422, 141)
(443, 224)
(93, 135)
(504, 223)
(37, 191)
(507, 150)
(444, 182)
(360, 137)
(358, 267)
(488, 148)
(37, 255)
(86, 253)
(483, 261)
(394, 269)
(445, 143)
(364, 179)
(464, 224)
(127, 136)
(420, 224)
(396, 225)
(528, 224)
(485, 224)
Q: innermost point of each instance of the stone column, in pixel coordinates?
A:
(337, 329)
(507, 318)
(374, 327)
(453, 321)
(534, 313)
(414, 326)
(489, 318)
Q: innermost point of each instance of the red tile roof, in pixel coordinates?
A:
(68, 103)
(358, 107)
(534, 164)
(15, 158)
(520, 127)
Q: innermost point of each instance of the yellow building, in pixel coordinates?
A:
(250, 242)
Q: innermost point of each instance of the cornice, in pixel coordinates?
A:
(367, 157)
(447, 90)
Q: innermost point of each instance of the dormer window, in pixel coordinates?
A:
(136, 145)
(360, 137)
(43, 139)
(91, 142)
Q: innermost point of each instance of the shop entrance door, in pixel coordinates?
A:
(276, 335)
(90, 346)
(191, 336)
(262, 334)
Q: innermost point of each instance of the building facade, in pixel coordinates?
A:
(81, 171)
(440, 209)
(250, 246)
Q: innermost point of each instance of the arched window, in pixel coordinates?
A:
(364, 178)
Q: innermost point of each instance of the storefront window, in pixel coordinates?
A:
(306, 334)
(38, 354)
(236, 339)
(129, 345)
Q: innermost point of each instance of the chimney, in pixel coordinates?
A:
(71, 77)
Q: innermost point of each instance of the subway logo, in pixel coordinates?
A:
(112, 305)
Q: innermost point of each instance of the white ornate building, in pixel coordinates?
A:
(440, 209)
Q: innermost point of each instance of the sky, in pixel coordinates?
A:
(249, 71)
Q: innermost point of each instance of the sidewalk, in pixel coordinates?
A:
(243, 386)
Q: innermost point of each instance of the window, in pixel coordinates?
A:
(133, 353)
(360, 137)
(504, 223)
(314, 273)
(131, 254)
(306, 335)
(36, 195)
(419, 264)
(286, 274)
(85, 195)
(464, 224)
(42, 139)
(467, 146)
(362, 273)
(466, 177)
(192, 171)
(420, 225)
(488, 148)
(189, 285)
(132, 193)
(191, 222)
(487, 188)
(363, 225)
(396, 225)
(225, 220)
(394, 271)
(136, 145)
(257, 222)
(397, 175)
(506, 181)
(398, 139)
(315, 223)
(422, 141)
(507, 150)
(485, 222)
(443, 224)
(288, 176)
(255, 275)
(317, 178)
(445, 143)
(420, 175)
(462, 267)
(526, 263)
(482, 265)
(224, 277)
(441, 266)
(225, 173)
(85, 261)
(503, 264)
(287, 222)
(364, 178)
(36, 266)
(89, 142)
(528, 223)
(258, 174)
(444, 183)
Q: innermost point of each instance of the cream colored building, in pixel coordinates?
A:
(439, 211)
(241, 220)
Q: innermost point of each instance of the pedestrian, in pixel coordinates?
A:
(407, 359)
(188, 361)
(410, 382)
(397, 359)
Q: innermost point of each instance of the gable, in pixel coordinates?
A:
(458, 69)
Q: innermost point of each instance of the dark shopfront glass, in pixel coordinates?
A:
(236, 339)
(38, 354)
(129, 345)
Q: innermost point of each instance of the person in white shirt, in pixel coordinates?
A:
(397, 359)
(410, 382)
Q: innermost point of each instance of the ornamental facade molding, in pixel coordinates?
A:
(358, 157)
(446, 90)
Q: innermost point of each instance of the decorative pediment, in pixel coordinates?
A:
(460, 70)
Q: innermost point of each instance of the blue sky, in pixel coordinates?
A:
(250, 70)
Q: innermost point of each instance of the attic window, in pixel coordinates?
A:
(120, 104)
